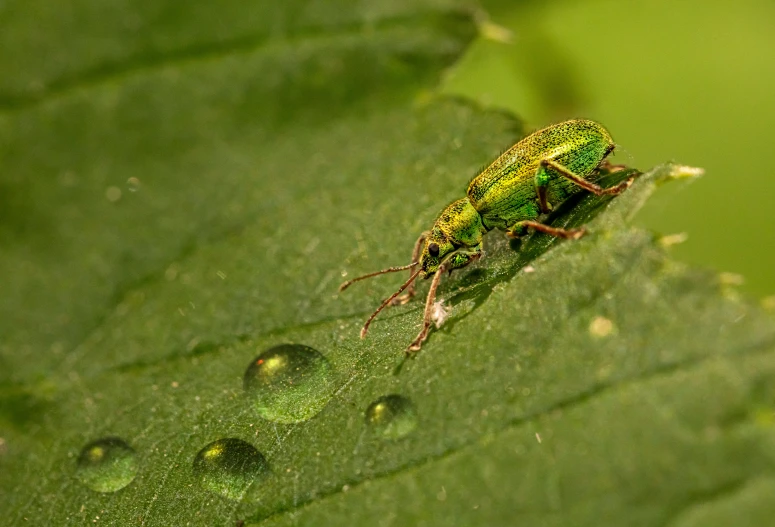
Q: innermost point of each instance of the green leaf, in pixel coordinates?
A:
(184, 194)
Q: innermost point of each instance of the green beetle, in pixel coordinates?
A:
(511, 194)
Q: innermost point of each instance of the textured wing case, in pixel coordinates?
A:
(504, 192)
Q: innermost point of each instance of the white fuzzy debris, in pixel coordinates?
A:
(673, 239)
(439, 314)
(685, 171)
(492, 31)
(731, 279)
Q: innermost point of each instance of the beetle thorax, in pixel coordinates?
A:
(458, 226)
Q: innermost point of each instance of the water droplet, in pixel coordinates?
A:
(229, 467)
(289, 383)
(392, 416)
(133, 184)
(107, 465)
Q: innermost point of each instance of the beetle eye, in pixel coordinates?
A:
(433, 249)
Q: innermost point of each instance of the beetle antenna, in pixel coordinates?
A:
(348, 283)
(389, 299)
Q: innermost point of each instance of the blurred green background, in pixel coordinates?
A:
(689, 81)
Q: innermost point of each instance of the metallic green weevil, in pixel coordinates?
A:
(512, 194)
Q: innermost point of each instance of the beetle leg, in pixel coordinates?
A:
(412, 289)
(516, 231)
(583, 183)
(520, 227)
(461, 259)
(428, 314)
(610, 167)
(541, 180)
(455, 260)
(386, 302)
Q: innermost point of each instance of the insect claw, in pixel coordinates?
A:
(610, 167)
(621, 187)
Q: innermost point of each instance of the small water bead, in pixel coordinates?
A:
(133, 184)
(107, 465)
(289, 383)
(229, 467)
(392, 416)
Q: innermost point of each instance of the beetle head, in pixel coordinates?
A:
(437, 246)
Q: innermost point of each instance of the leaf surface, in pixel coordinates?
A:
(176, 202)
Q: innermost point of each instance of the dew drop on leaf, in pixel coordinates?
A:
(107, 465)
(229, 467)
(392, 416)
(289, 383)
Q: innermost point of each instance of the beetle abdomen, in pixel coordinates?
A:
(504, 192)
